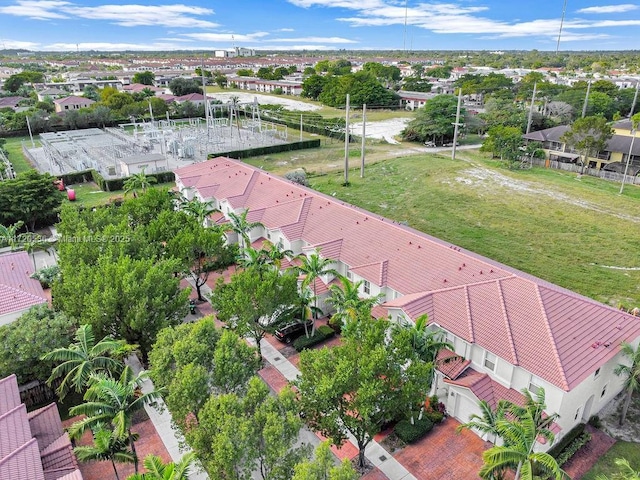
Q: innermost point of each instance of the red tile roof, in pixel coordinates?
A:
(17, 291)
(487, 389)
(450, 364)
(73, 100)
(551, 332)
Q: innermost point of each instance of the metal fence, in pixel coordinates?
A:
(572, 167)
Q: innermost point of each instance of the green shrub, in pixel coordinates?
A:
(435, 417)
(409, 433)
(47, 275)
(258, 151)
(574, 433)
(322, 333)
(573, 448)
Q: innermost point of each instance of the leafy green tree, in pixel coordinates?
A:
(31, 198)
(9, 235)
(362, 87)
(631, 374)
(434, 121)
(313, 85)
(416, 84)
(588, 135)
(117, 101)
(106, 446)
(138, 181)
(145, 78)
(113, 401)
(102, 115)
(245, 72)
(253, 304)
(91, 92)
(14, 82)
(237, 435)
(158, 470)
(85, 357)
(313, 267)
(504, 113)
(184, 86)
(323, 467)
(358, 386)
(23, 342)
(439, 72)
(507, 142)
(626, 471)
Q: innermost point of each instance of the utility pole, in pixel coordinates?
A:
(30, 134)
(635, 99)
(626, 168)
(564, 11)
(151, 112)
(533, 99)
(346, 144)
(364, 132)
(586, 100)
(206, 103)
(300, 127)
(457, 124)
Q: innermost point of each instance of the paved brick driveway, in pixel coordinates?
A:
(444, 454)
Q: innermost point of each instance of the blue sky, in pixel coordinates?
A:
(318, 24)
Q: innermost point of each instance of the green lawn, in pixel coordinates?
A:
(606, 465)
(545, 222)
(17, 159)
(89, 195)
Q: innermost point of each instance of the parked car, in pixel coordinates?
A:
(450, 144)
(430, 144)
(289, 332)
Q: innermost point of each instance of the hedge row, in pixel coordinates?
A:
(322, 333)
(256, 152)
(410, 433)
(574, 433)
(573, 448)
(109, 185)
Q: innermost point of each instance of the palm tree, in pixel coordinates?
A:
(631, 374)
(34, 244)
(314, 266)
(308, 310)
(626, 471)
(346, 300)
(252, 258)
(487, 421)
(517, 452)
(199, 210)
(8, 235)
(138, 181)
(113, 401)
(106, 446)
(275, 253)
(535, 406)
(85, 357)
(241, 226)
(157, 470)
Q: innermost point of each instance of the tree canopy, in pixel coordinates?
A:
(434, 121)
(183, 86)
(145, 78)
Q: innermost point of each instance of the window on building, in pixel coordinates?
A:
(349, 275)
(268, 235)
(534, 384)
(366, 287)
(604, 391)
(490, 361)
(596, 374)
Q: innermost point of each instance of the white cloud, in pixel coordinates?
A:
(226, 37)
(621, 8)
(128, 15)
(115, 47)
(312, 40)
(19, 44)
(286, 30)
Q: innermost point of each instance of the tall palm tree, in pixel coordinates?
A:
(631, 375)
(85, 357)
(626, 472)
(517, 452)
(346, 300)
(314, 266)
(535, 405)
(138, 181)
(252, 258)
(240, 225)
(487, 421)
(197, 209)
(275, 253)
(113, 401)
(157, 470)
(308, 310)
(106, 446)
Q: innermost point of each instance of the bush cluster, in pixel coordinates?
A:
(267, 150)
(322, 333)
(574, 433)
(410, 433)
(573, 448)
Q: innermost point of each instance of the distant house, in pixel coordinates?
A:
(414, 100)
(613, 157)
(33, 445)
(72, 103)
(51, 93)
(139, 87)
(11, 102)
(195, 98)
(18, 291)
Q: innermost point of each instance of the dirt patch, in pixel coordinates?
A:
(385, 129)
(265, 99)
(483, 178)
(610, 418)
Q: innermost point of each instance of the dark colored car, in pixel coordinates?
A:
(289, 332)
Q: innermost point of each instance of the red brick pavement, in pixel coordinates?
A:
(588, 455)
(444, 454)
(148, 443)
(375, 474)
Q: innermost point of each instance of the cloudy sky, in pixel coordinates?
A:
(318, 24)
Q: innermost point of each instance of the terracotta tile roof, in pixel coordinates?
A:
(549, 331)
(486, 389)
(17, 291)
(9, 394)
(46, 425)
(73, 100)
(450, 364)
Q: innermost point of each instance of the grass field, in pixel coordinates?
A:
(14, 148)
(89, 195)
(545, 222)
(606, 465)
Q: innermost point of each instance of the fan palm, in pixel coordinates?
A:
(83, 358)
(157, 470)
(113, 401)
(106, 446)
(241, 226)
(138, 181)
(631, 375)
(520, 438)
(314, 266)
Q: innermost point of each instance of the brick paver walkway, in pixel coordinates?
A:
(444, 454)
(588, 455)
